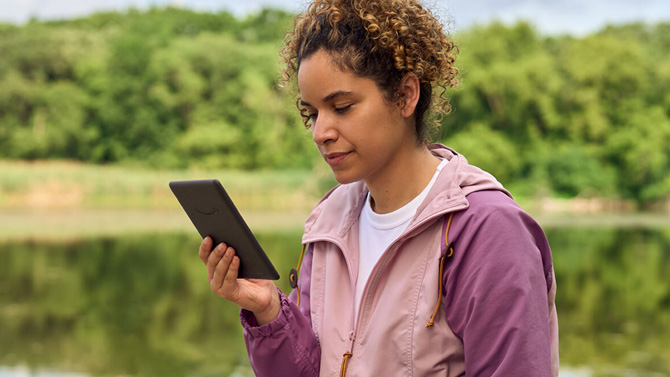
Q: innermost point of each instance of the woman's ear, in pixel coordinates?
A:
(410, 90)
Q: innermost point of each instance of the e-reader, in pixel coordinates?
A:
(213, 213)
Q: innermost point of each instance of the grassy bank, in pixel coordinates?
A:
(65, 200)
(62, 225)
(58, 185)
(56, 200)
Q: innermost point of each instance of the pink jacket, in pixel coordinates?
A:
(496, 317)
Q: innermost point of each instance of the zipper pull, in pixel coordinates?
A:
(347, 355)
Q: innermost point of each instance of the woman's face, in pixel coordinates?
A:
(357, 132)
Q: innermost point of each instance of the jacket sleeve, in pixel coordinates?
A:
(287, 346)
(497, 289)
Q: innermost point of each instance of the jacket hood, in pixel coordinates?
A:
(339, 209)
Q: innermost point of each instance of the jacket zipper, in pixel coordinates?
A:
(375, 276)
(348, 354)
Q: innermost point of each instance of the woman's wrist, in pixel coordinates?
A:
(270, 313)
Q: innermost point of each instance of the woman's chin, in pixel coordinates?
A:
(343, 178)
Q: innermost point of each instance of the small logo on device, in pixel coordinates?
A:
(210, 212)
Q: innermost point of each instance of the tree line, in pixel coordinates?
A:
(173, 88)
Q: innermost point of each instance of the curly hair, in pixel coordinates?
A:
(382, 40)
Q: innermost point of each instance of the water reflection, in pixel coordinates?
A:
(614, 301)
(141, 306)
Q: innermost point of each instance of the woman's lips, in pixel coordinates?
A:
(336, 158)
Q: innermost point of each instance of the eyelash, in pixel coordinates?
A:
(342, 110)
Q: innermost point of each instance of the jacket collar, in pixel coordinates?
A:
(339, 209)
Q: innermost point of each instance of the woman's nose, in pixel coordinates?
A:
(323, 130)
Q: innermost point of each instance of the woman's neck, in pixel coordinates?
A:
(402, 180)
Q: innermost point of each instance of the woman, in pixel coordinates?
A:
(418, 264)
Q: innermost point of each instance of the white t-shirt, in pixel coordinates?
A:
(378, 231)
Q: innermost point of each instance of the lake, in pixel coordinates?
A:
(140, 305)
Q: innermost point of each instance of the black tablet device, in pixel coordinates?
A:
(213, 213)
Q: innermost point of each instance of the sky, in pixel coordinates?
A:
(577, 17)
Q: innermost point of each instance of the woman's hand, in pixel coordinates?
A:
(257, 296)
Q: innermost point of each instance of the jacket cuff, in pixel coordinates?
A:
(250, 324)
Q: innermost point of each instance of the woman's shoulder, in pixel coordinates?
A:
(494, 215)
(495, 223)
(490, 202)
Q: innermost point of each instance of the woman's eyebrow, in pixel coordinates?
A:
(334, 95)
(329, 97)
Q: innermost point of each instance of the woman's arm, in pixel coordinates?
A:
(498, 290)
(287, 346)
(279, 337)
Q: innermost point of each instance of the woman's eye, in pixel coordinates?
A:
(343, 109)
(312, 117)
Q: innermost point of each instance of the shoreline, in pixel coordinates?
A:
(67, 225)
(71, 224)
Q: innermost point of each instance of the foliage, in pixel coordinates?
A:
(172, 88)
(168, 87)
(584, 116)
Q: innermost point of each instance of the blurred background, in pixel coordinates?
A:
(103, 102)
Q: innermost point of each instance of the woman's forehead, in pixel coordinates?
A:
(318, 74)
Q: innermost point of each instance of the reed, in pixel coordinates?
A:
(65, 184)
